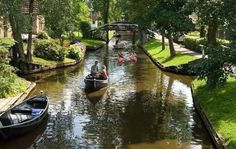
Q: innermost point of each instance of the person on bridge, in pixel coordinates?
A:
(94, 70)
(103, 74)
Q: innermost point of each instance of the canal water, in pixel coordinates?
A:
(141, 108)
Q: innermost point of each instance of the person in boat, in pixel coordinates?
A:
(94, 70)
(121, 58)
(133, 58)
(103, 74)
(117, 40)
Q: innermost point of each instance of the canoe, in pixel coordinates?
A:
(92, 83)
(24, 117)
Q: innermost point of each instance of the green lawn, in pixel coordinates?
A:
(50, 63)
(220, 107)
(92, 43)
(153, 47)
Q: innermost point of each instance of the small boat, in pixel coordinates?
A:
(119, 46)
(93, 83)
(24, 117)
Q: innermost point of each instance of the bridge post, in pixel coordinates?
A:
(107, 36)
(133, 41)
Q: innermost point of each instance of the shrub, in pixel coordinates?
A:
(216, 67)
(49, 49)
(85, 28)
(43, 35)
(10, 83)
(74, 52)
(193, 43)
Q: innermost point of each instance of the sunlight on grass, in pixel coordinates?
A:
(220, 106)
(50, 63)
(92, 43)
(153, 47)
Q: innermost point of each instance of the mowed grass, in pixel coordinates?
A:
(92, 43)
(51, 63)
(154, 48)
(220, 107)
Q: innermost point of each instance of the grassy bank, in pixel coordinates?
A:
(51, 63)
(154, 48)
(220, 107)
(92, 43)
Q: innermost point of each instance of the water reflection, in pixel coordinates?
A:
(142, 107)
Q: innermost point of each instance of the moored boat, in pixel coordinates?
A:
(23, 117)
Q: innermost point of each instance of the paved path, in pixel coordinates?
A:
(180, 48)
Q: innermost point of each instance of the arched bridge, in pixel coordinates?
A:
(118, 26)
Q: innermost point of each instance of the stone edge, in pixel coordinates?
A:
(216, 137)
(172, 69)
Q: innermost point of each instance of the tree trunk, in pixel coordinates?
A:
(106, 5)
(5, 27)
(202, 31)
(163, 40)
(211, 35)
(16, 33)
(171, 45)
(29, 46)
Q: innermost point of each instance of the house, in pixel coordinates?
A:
(94, 16)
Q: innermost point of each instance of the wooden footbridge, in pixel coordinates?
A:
(117, 26)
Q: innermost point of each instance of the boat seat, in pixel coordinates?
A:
(23, 109)
(18, 118)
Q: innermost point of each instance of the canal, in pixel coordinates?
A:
(142, 107)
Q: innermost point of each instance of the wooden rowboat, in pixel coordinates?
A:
(119, 46)
(92, 83)
(24, 117)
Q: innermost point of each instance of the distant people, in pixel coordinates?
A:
(103, 74)
(121, 58)
(133, 58)
(94, 70)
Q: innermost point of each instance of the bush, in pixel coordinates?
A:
(216, 67)
(10, 83)
(194, 43)
(74, 52)
(43, 35)
(49, 49)
(85, 28)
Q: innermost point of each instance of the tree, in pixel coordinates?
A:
(12, 10)
(215, 13)
(58, 16)
(103, 6)
(172, 17)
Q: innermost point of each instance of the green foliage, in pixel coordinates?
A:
(10, 83)
(43, 35)
(49, 49)
(85, 28)
(75, 52)
(193, 43)
(7, 42)
(215, 68)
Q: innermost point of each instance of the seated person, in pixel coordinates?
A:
(103, 74)
(94, 70)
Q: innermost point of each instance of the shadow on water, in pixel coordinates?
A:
(142, 107)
